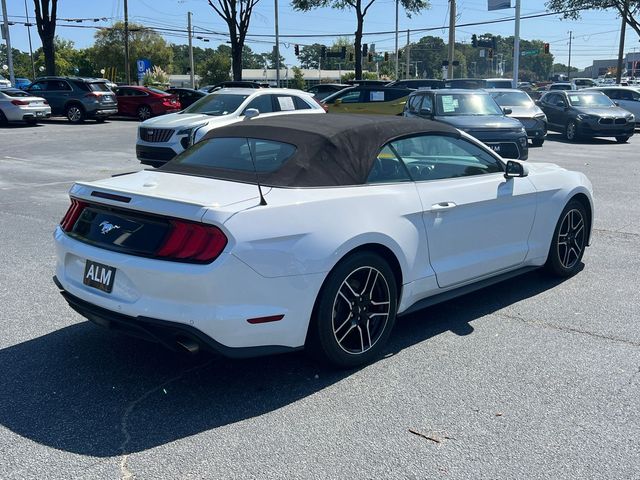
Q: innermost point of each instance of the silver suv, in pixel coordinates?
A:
(76, 98)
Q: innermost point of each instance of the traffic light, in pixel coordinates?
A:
(343, 53)
(474, 41)
(296, 49)
(323, 51)
(399, 54)
(386, 56)
(351, 56)
(490, 53)
(494, 43)
(365, 49)
(370, 57)
(546, 48)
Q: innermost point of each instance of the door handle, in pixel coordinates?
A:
(443, 206)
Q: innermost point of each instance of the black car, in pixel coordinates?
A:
(466, 83)
(525, 110)
(187, 96)
(475, 112)
(371, 83)
(323, 90)
(238, 84)
(416, 83)
(76, 98)
(578, 113)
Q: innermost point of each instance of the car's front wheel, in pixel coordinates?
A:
(622, 138)
(537, 142)
(571, 131)
(75, 114)
(355, 312)
(144, 113)
(569, 241)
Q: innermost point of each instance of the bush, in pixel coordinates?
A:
(155, 77)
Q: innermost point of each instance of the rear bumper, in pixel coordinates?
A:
(169, 334)
(107, 112)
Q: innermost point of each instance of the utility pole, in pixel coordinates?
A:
(127, 70)
(397, 59)
(516, 47)
(192, 73)
(5, 19)
(277, 49)
(408, 52)
(452, 36)
(569, 66)
(33, 65)
(623, 28)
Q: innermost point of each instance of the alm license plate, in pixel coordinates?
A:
(99, 276)
(495, 148)
(39, 114)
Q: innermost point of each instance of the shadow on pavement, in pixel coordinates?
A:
(559, 137)
(85, 390)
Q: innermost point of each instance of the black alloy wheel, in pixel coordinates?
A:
(355, 312)
(571, 131)
(569, 241)
(622, 138)
(144, 113)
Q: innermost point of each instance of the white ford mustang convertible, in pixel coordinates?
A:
(312, 231)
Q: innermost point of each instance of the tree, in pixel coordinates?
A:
(46, 13)
(361, 8)
(298, 79)
(236, 14)
(571, 9)
(217, 66)
(108, 49)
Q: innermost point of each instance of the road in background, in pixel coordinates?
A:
(531, 378)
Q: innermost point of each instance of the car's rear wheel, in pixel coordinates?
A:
(100, 120)
(355, 312)
(3, 119)
(144, 113)
(74, 113)
(622, 139)
(571, 131)
(537, 142)
(569, 241)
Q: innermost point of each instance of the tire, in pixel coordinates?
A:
(569, 241)
(74, 113)
(571, 131)
(100, 120)
(144, 113)
(537, 142)
(622, 139)
(362, 287)
(3, 119)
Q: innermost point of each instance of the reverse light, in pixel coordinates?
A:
(193, 242)
(70, 218)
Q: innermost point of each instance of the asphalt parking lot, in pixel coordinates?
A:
(533, 378)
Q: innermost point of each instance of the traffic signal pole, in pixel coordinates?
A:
(397, 60)
(452, 36)
(516, 47)
(277, 49)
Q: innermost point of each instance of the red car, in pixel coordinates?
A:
(145, 102)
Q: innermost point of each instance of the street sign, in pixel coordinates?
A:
(378, 58)
(498, 4)
(143, 64)
(526, 53)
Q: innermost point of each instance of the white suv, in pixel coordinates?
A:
(162, 138)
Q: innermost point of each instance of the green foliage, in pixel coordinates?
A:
(215, 69)
(298, 79)
(572, 9)
(365, 76)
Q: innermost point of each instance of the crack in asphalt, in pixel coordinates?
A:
(125, 471)
(571, 330)
(614, 232)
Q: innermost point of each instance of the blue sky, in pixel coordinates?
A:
(595, 35)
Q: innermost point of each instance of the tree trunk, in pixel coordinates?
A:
(236, 60)
(358, 44)
(48, 49)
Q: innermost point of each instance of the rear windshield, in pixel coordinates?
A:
(466, 104)
(99, 87)
(512, 99)
(226, 156)
(499, 83)
(14, 92)
(217, 104)
(589, 100)
(157, 90)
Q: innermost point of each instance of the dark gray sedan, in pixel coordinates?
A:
(586, 114)
(523, 108)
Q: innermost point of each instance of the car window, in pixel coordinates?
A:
(98, 87)
(58, 86)
(262, 103)
(396, 94)
(217, 104)
(589, 100)
(551, 98)
(375, 96)
(284, 103)
(437, 157)
(427, 104)
(237, 154)
(512, 99)
(40, 86)
(14, 92)
(413, 105)
(627, 95)
(301, 104)
(388, 168)
(467, 104)
(350, 97)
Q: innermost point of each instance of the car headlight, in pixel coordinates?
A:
(523, 141)
(189, 130)
(584, 116)
(631, 117)
(540, 116)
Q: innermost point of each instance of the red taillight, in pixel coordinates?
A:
(323, 105)
(72, 214)
(193, 242)
(19, 102)
(92, 95)
(45, 102)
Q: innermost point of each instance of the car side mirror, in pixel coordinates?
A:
(426, 112)
(617, 104)
(515, 169)
(250, 113)
(507, 111)
(537, 102)
(560, 103)
(337, 101)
